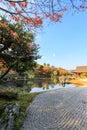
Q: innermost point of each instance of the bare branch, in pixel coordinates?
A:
(7, 11)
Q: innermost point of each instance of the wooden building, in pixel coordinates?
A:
(80, 70)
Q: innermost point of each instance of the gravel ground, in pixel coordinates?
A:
(62, 109)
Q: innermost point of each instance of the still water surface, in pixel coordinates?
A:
(51, 87)
(36, 85)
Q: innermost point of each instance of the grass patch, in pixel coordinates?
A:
(23, 100)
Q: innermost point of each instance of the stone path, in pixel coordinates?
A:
(62, 109)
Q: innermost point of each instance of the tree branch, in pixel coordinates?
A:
(8, 11)
(3, 75)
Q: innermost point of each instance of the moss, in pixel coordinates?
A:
(2, 104)
(4, 116)
(23, 100)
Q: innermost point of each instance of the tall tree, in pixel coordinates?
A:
(17, 48)
(33, 12)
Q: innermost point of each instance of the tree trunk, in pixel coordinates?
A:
(3, 75)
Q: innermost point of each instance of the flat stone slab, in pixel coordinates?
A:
(62, 109)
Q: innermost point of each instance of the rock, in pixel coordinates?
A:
(9, 116)
(16, 109)
(11, 122)
(6, 110)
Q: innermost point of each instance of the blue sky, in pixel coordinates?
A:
(65, 44)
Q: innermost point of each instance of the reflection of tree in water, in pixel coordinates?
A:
(52, 85)
(27, 85)
(37, 84)
(41, 84)
(45, 85)
(55, 81)
(25, 89)
(24, 85)
(34, 85)
(30, 82)
(62, 84)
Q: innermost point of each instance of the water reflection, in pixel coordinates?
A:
(36, 85)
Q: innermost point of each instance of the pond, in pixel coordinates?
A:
(36, 85)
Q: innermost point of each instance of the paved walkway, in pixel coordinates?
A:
(62, 109)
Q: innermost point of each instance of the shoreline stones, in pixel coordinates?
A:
(8, 116)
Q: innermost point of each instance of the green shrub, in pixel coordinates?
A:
(8, 94)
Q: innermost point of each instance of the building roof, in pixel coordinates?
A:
(80, 69)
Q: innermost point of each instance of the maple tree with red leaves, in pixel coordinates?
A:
(18, 51)
(33, 12)
(48, 71)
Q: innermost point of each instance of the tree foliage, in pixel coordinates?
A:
(48, 71)
(33, 12)
(17, 48)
